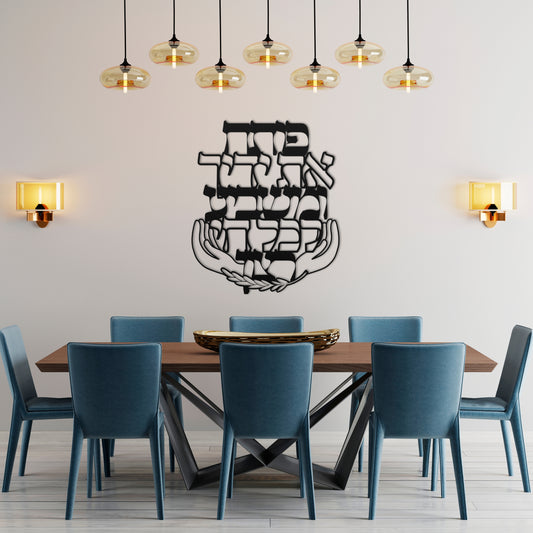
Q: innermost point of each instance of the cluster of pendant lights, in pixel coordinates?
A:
(268, 53)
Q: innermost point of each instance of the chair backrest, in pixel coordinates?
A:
(266, 324)
(147, 328)
(514, 366)
(417, 388)
(16, 365)
(115, 388)
(385, 328)
(266, 387)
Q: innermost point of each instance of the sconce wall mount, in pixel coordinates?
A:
(40, 200)
(492, 200)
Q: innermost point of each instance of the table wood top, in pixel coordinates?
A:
(341, 357)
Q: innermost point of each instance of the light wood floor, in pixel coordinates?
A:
(36, 502)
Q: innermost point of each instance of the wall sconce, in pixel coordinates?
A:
(39, 200)
(492, 200)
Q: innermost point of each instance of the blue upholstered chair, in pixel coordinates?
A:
(380, 329)
(115, 394)
(417, 390)
(150, 329)
(266, 389)
(27, 406)
(505, 406)
(266, 324)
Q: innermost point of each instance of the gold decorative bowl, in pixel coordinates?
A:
(321, 339)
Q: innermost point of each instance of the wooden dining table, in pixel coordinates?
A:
(188, 357)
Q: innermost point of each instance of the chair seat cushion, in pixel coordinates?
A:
(49, 404)
(483, 404)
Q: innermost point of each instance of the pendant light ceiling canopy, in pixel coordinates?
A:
(408, 76)
(173, 52)
(220, 76)
(267, 52)
(359, 52)
(125, 76)
(315, 76)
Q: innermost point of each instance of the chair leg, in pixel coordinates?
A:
(90, 461)
(171, 457)
(14, 432)
(435, 458)
(26, 432)
(111, 447)
(455, 444)
(442, 452)
(162, 452)
(232, 469)
(307, 470)
(377, 447)
(155, 450)
(75, 457)
(507, 445)
(225, 468)
(420, 447)
(360, 456)
(370, 453)
(426, 445)
(97, 466)
(516, 424)
(106, 452)
(300, 469)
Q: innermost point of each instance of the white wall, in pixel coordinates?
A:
(133, 187)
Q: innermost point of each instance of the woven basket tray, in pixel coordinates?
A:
(321, 339)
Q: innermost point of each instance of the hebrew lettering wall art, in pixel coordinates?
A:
(268, 224)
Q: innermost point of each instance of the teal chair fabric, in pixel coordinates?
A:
(380, 329)
(27, 405)
(505, 406)
(149, 329)
(417, 390)
(266, 390)
(115, 394)
(266, 324)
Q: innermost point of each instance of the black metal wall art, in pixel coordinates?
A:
(268, 225)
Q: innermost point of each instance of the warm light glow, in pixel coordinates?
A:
(360, 58)
(173, 58)
(407, 82)
(267, 57)
(220, 82)
(315, 82)
(30, 194)
(125, 82)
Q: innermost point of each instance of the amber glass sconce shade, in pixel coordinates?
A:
(492, 200)
(39, 200)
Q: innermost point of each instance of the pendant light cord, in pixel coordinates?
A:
(125, 55)
(268, 18)
(314, 28)
(359, 20)
(220, 29)
(174, 19)
(408, 58)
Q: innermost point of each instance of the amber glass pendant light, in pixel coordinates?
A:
(359, 52)
(220, 77)
(173, 52)
(315, 77)
(408, 76)
(267, 52)
(125, 76)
